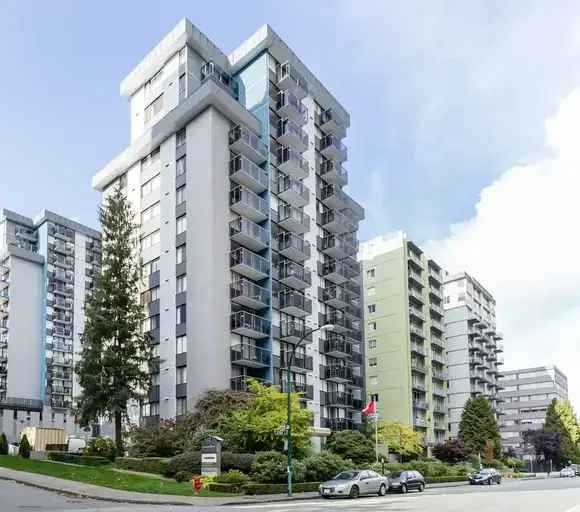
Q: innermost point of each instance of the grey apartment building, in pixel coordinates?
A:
(474, 345)
(526, 395)
(235, 170)
(47, 270)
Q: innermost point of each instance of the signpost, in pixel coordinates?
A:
(211, 455)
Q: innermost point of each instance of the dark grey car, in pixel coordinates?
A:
(404, 481)
(355, 483)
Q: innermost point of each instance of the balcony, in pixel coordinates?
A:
(241, 383)
(249, 294)
(499, 347)
(335, 271)
(416, 295)
(419, 367)
(294, 275)
(419, 422)
(249, 324)
(4, 297)
(439, 374)
(293, 247)
(415, 259)
(420, 404)
(436, 309)
(331, 123)
(299, 364)
(293, 192)
(293, 219)
(332, 148)
(418, 349)
(437, 326)
(249, 264)
(498, 335)
(338, 373)
(293, 332)
(211, 71)
(250, 356)
(438, 342)
(332, 172)
(417, 331)
(292, 163)
(338, 247)
(335, 345)
(336, 222)
(290, 79)
(435, 293)
(291, 135)
(245, 142)
(333, 197)
(337, 424)
(245, 172)
(248, 204)
(500, 360)
(249, 234)
(438, 357)
(295, 304)
(288, 105)
(416, 278)
(335, 296)
(439, 391)
(337, 318)
(416, 313)
(337, 399)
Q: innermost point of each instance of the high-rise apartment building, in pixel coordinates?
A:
(526, 395)
(406, 368)
(235, 171)
(47, 268)
(473, 344)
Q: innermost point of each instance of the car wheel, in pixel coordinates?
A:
(382, 490)
(421, 487)
(499, 482)
(354, 492)
(404, 489)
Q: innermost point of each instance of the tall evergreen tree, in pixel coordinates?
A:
(561, 418)
(113, 366)
(478, 425)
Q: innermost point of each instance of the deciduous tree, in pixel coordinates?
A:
(400, 439)
(561, 418)
(451, 451)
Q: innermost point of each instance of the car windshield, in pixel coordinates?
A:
(396, 474)
(485, 471)
(346, 475)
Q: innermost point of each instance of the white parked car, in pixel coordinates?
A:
(567, 472)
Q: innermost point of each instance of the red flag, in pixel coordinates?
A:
(371, 408)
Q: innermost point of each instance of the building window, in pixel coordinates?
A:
(151, 323)
(180, 254)
(373, 380)
(371, 291)
(155, 379)
(181, 225)
(151, 158)
(181, 375)
(372, 344)
(373, 362)
(182, 86)
(150, 267)
(372, 308)
(180, 138)
(180, 314)
(374, 397)
(371, 273)
(180, 344)
(180, 166)
(461, 297)
(150, 186)
(149, 296)
(372, 326)
(180, 196)
(150, 240)
(151, 212)
(154, 108)
(180, 406)
(181, 284)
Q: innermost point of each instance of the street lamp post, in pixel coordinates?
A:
(325, 327)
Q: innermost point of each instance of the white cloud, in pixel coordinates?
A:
(524, 243)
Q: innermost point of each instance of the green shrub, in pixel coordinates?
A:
(444, 479)
(462, 469)
(3, 444)
(24, 448)
(189, 462)
(222, 487)
(497, 464)
(233, 476)
(253, 489)
(82, 460)
(353, 445)
(391, 467)
(183, 476)
(56, 448)
(325, 466)
(435, 469)
(240, 461)
(101, 447)
(155, 465)
(271, 468)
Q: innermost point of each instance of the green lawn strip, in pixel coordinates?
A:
(103, 477)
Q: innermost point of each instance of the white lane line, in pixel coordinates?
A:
(575, 508)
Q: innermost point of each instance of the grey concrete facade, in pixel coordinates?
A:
(473, 345)
(525, 397)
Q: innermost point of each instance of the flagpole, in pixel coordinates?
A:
(376, 437)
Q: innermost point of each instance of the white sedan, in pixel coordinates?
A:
(567, 472)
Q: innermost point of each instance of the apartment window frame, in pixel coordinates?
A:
(370, 273)
(150, 267)
(151, 212)
(151, 239)
(372, 344)
(181, 375)
(373, 362)
(372, 326)
(181, 225)
(180, 254)
(371, 308)
(151, 185)
(180, 166)
(180, 138)
(181, 344)
(180, 195)
(181, 284)
(180, 406)
(180, 314)
(154, 107)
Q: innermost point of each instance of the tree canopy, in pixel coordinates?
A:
(451, 451)
(400, 439)
(561, 418)
(478, 425)
(351, 444)
(547, 445)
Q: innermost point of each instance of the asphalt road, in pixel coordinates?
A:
(550, 495)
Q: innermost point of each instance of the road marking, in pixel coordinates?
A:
(575, 508)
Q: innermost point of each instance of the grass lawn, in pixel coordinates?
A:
(103, 476)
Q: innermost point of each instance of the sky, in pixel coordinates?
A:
(464, 123)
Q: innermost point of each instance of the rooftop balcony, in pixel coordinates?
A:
(299, 364)
(245, 172)
(290, 79)
(294, 275)
(249, 294)
(332, 148)
(293, 192)
(292, 332)
(337, 373)
(293, 247)
(211, 71)
(249, 234)
(336, 222)
(334, 271)
(245, 142)
(290, 162)
(291, 135)
(332, 172)
(295, 303)
(249, 264)
(288, 105)
(250, 356)
(331, 123)
(293, 219)
(249, 204)
(333, 197)
(250, 325)
(335, 345)
(335, 296)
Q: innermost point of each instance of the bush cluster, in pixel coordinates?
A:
(101, 447)
(3, 444)
(260, 488)
(435, 469)
(191, 462)
(325, 466)
(156, 465)
(271, 467)
(72, 458)
(24, 449)
(233, 476)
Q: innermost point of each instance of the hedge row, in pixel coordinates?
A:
(156, 465)
(253, 489)
(83, 460)
(228, 488)
(444, 479)
(523, 475)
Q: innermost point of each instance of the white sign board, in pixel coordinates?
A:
(208, 458)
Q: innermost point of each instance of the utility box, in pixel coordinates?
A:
(39, 437)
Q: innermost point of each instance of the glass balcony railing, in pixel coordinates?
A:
(293, 192)
(289, 78)
(331, 122)
(332, 172)
(249, 324)
(331, 147)
(247, 293)
(292, 163)
(211, 71)
(249, 234)
(248, 355)
(293, 247)
(291, 272)
(248, 263)
(243, 140)
(288, 105)
(293, 219)
(249, 204)
(290, 134)
(245, 172)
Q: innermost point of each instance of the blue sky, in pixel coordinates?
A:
(464, 126)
